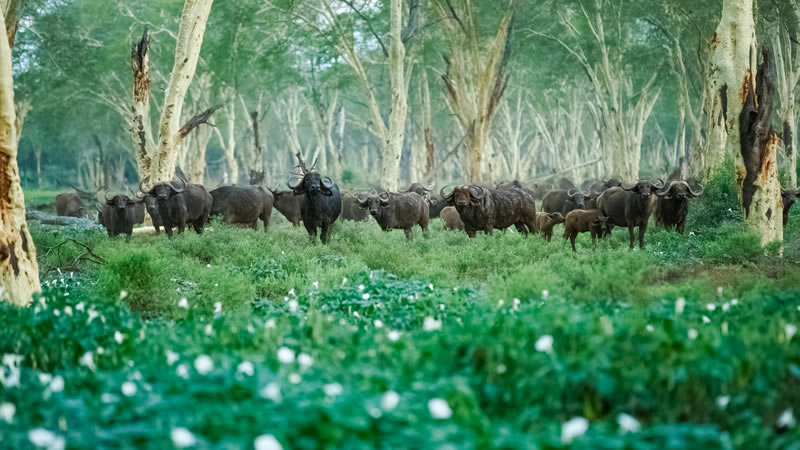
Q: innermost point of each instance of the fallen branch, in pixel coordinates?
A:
(88, 255)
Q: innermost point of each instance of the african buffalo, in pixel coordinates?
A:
(564, 201)
(546, 221)
(483, 209)
(421, 189)
(118, 215)
(437, 206)
(242, 206)
(630, 206)
(151, 206)
(177, 206)
(351, 210)
(672, 204)
(321, 204)
(583, 220)
(288, 204)
(397, 211)
(451, 218)
(69, 205)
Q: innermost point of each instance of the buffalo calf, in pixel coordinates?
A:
(451, 218)
(546, 221)
(583, 220)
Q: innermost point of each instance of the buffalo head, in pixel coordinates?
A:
(464, 195)
(373, 202)
(556, 217)
(602, 225)
(578, 197)
(312, 184)
(163, 191)
(120, 203)
(678, 190)
(644, 188)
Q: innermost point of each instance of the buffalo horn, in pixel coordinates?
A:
(176, 190)
(327, 181)
(294, 182)
(477, 191)
(692, 192)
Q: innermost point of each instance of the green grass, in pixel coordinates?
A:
(359, 308)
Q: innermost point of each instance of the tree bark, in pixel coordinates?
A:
(757, 161)
(787, 62)
(427, 129)
(19, 270)
(733, 55)
(393, 140)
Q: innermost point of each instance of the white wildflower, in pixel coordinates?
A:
(692, 334)
(650, 328)
(182, 438)
(390, 400)
(45, 378)
(294, 378)
(92, 315)
(267, 442)
(57, 385)
(344, 281)
(291, 292)
(365, 296)
(726, 306)
(431, 324)
(209, 330)
(305, 360)
(68, 310)
(706, 319)
(393, 335)
(122, 294)
(7, 411)
(441, 306)
(293, 305)
(711, 307)
(271, 391)
(573, 428)
(378, 323)
(790, 330)
(680, 304)
(182, 371)
(545, 344)
(172, 357)
(285, 355)
(40, 437)
(361, 288)
(628, 423)
(203, 364)
(129, 389)
(80, 306)
(270, 323)
(786, 419)
(246, 367)
(332, 389)
(430, 286)
(722, 401)
(119, 337)
(734, 302)
(545, 294)
(217, 307)
(183, 303)
(88, 360)
(439, 409)
(719, 290)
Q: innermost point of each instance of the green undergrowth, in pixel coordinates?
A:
(692, 337)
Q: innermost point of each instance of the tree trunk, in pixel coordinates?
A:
(19, 271)
(393, 140)
(156, 160)
(427, 129)
(787, 65)
(37, 154)
(733, 54)
(757, 163)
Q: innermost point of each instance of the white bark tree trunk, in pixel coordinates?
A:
(156, 159)
(228, 143)
(393, 139)
(787, 65)
(733, 61)
(19, 271)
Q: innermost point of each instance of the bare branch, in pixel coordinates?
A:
(369, 25)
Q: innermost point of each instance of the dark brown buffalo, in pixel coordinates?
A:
(672, 204)
(540, 190)
(630, 206)
(789, 196)
(566, 184)
(451, 218)
(546, 221)
(564, 201)
(118, 215)
(151, 206)
(351, 210)
(321, 204)
(257, 177)
(69, 205)
(397, 211)
(483, 209)
(178, 206)
(422, 190)
(583, 220)
(288, 204)
(242, 206)
(437, 205)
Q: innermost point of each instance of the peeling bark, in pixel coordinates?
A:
(19, 271)
(757, 164)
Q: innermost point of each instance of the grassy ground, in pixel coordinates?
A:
(691, 337)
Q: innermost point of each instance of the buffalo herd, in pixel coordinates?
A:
(595, 206)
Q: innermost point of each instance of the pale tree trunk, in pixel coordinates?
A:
(156, 159)
(513, 134)
(322, 123)
(192, 156)
(228, 143)
(733, 54)
(694, 114)
(341, 123)
(561, 134)
(757, 158)
(474, 80)
(293, 108)
(393, 139)
(19, 271)
(427, 129)
(787, 62)
(37, 154)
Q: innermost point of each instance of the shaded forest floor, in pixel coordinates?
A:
(692, 337)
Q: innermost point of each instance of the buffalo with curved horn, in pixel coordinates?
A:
(630, 206)
(397, 211)
(322, 202)
(564, 201)
(672, 204)
(483, 209)
(178, 206)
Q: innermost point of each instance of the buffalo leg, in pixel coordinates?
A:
(642, 229)
(470, 232)
(425, 233)
(630, 235)
(198, 226)
(324, 233)
(679, 227)
(409, 234)
(168, 230)
(572, 241)
(594, 237)
(265, 219)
